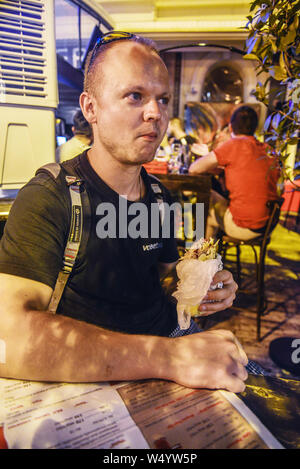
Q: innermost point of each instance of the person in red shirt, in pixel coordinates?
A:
(251, 179)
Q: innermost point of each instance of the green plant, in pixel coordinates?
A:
(274, 42)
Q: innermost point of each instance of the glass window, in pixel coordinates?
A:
(223, 84)
(87, 26)
(73, 29)
(66, 29)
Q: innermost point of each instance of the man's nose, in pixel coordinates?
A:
(152, 111)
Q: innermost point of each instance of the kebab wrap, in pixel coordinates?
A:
(195, 271)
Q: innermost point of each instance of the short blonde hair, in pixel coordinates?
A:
(89, 71)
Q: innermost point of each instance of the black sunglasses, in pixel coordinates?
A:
(111, 36)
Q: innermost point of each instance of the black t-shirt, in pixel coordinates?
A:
(115, 282)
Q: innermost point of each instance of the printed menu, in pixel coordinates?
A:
(139, 415)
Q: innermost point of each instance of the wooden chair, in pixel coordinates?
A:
(261, 242)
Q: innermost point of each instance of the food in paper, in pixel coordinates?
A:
(195, 271)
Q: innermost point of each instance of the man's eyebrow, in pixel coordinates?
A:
(133, 87)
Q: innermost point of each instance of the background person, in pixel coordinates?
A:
(251, 180)
(81, 140)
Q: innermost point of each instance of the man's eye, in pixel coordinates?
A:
(135, 96)
(165, 100)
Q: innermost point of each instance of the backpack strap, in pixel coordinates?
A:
(158, 194)
(79, 205)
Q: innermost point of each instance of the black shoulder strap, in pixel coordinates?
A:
(158, 194)
(79, 227)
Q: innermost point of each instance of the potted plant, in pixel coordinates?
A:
(274, 42)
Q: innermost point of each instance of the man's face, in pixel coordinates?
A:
(131, 96)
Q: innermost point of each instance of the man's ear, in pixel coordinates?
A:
(88, 107)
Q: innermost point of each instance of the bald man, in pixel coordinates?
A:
(114, 321)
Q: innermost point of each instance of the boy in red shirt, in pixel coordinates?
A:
(251, 178)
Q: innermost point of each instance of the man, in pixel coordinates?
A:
(251, 179)
(125, 100)
(81, 140)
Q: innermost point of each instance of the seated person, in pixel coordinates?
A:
(251, 180)
(82, 139)
(114, 321)
(202, 123)
(175, 131)
(204, 127)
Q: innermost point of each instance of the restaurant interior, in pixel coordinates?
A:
(203, 44)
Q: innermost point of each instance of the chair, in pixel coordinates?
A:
(262, 242)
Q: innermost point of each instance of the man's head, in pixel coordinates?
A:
(126, 99)
(244, 121)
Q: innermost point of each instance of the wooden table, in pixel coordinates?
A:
(186, 184)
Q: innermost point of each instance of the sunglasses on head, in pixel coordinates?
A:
(111, 36)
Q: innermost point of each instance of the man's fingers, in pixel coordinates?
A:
(223, 276)
(233, 347)
(240, 371)
(241, 351)
(220, 294)
(212, 306)
(233, 384)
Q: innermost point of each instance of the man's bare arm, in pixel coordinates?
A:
(204, 164)
(45, 347)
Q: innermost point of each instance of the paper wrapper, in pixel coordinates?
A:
(195, 278)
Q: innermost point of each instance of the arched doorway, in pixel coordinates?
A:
(222, 84)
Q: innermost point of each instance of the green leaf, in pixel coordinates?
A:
(254, 4)
(295, 22)
(288, 39)
(265, 17)
(277, 72)
(273, 45)
(267, 124)
(276, 120)
(250, 57)
(282, 64)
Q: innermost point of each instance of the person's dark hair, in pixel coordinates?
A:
(90, 67)
(81, 125)
(244, 120)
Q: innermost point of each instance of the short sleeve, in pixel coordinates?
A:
(222, 152)
(35, 233)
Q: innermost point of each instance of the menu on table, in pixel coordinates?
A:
(139, 415)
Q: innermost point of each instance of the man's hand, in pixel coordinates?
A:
(211, 359)
(222, 297)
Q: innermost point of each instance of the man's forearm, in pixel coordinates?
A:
(204, 164)
(45, 347)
